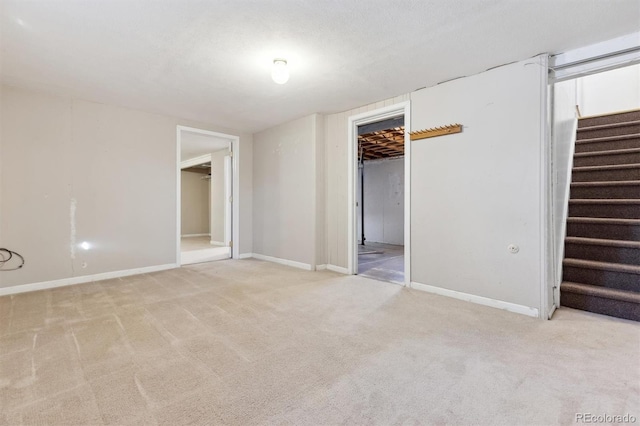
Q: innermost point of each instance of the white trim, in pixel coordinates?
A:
(245, 256)
(314, 193)
(235, 161)
(407, 194)
(552, 311)
(546, 192)
(401, 108)
(217, 243)
(23, 288)
(338, 269)
(286, 262)
(607, 55)
(479, 300)
(195, 161)
(194, 235)
(235, 194)
(321, 267)
(563, 224)
(228, 197)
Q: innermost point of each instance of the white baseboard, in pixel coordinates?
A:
(217, 243)
(339, 269)
(286, 262)
(195, 235)
(23, 288)
(480, 300)
(321, 267)
(245, 255)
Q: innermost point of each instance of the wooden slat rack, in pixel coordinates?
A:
(436, 131)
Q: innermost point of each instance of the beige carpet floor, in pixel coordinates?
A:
(195, 243)
(251, 343)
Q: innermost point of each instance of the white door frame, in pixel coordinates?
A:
(402, 108)
(235, 161)
(228, 196)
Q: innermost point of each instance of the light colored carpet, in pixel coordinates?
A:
(249, 342)
(195, 243)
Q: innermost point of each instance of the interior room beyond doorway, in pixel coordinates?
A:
(205, 197)
(380, 192)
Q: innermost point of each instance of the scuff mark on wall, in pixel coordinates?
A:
(72, 236)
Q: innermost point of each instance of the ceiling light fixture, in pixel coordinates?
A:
(280, 71)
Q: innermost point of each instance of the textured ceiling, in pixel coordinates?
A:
(210, 60)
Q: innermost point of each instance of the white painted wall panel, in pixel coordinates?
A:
(611, 91)
(384, 201)
(476, 192)
(284, 191)
(563, 134)
(194, 204)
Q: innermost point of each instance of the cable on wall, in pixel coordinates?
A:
(5, 257)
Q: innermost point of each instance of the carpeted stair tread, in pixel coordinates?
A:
(608, 126)
(603, 242)
(604, 292)
(605, 207)
(604, 220)
(608, 152)
(602, 249)
(604, 145)
(609, 189)
(607, 167)
(608, 138)
(613, 117)
(609, 172)
(604, 201)
(609, 130)
(607, 183)
(603, 266)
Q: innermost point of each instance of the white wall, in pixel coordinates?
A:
(113, 168)
(336, 139)
(284, 191)
(218, 201)
(611, 91)
(383, 201)
(476, 192)
(194, 204)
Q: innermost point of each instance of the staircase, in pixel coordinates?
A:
(601, 268)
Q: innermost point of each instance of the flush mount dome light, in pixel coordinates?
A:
(280, 71)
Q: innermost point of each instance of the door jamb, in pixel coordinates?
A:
(402, 108)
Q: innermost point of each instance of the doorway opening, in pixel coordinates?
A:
(205, 211)
(381, 200)
(595, 123)
(379, 190)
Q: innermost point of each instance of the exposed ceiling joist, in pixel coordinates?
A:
(383, 143)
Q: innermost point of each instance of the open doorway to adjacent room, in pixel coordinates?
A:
(205, 196)
(380, 205)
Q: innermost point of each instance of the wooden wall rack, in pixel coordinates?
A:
(436, 131)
